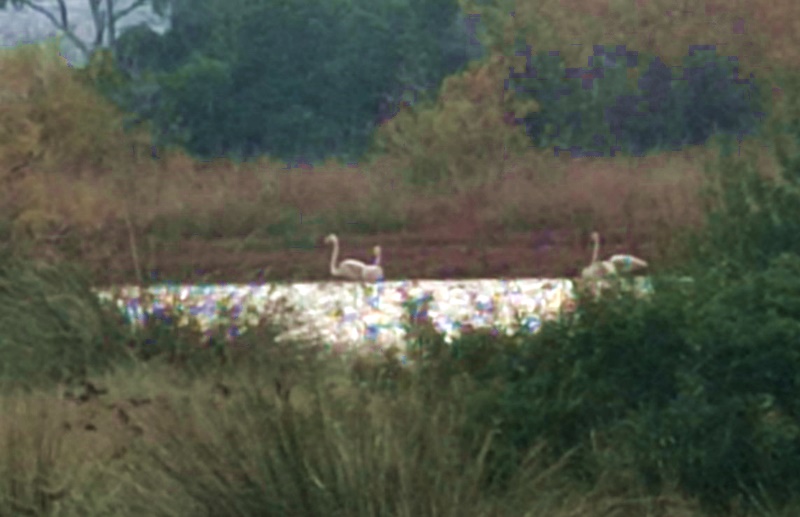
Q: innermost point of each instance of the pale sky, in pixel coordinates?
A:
(28, 26)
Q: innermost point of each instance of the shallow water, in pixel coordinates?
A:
(348, 315)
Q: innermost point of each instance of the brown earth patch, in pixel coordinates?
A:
(454, 250)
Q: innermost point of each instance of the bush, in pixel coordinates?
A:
(461, 139)
(733, 430)
(573, 105)
(52, 326)
(664, 112)
(687, 110)
(584, 375)
(751, 219)
(695, 386)
(51, 121)
(576, 377)
(324, 450)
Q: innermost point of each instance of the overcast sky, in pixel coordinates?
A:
(28, 26)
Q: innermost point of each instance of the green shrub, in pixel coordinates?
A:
(660, 112)
(585, 374)
(695, 386)
(733, 430)
(752, 219)
(459, 140)
(52, 326)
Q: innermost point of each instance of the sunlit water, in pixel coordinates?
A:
(345, 316)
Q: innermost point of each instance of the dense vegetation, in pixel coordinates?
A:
(310, 82)
(683, 404)
(302, 79)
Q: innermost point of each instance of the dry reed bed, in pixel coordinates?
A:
(610, 194)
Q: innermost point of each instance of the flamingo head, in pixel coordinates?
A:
(595, 237)
(330, 238)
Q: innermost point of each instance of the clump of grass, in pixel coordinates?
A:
(52, 326)
(328, 448)
(33, 477)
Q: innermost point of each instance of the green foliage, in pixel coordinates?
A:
(783, 126)
(293, 229)
(692, 385)
(52, 327)
(140, 48)
(751, 219)
(592, 106)
(573, 100)
(378, 58)
(731, 433)
(687, 110)
(582, 376)
(715, 99)
(373, 216)
(597, 108)
(653, 119)
(695, 386)
(314, 448)
(431, 41)
(290, 79)
(733, 430)
(462, 138)
(196, 98)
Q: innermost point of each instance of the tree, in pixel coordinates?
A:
(106, 15)
(301, 77)
(462, 137)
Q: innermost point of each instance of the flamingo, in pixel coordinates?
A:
(354, 269)
(616, 264)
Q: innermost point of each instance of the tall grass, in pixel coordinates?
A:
(132, 207)
(53, 327)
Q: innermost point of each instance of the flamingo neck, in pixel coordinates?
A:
(334, 256)
(596, 250)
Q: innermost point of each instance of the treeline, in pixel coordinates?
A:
(304, 78)
(312, 79)
(599, 108)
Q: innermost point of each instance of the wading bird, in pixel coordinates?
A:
(615, 265)
(354, 269)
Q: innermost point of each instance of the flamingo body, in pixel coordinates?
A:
(615, 265)
(354, 269)
(627, 263)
